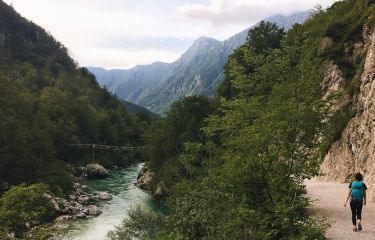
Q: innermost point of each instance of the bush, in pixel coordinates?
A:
(23, 205)
(140, 224)
(336, 30)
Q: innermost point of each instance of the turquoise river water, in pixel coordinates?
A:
(120, 185)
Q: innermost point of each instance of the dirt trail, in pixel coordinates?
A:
(329, 201)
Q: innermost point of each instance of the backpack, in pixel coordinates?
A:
(357, 190)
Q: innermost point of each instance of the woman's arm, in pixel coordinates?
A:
(347, 198)
(364, 197)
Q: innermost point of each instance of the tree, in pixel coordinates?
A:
(164, 141)
(245, 60)
(265, 37)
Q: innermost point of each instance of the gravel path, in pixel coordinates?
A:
(329, 201)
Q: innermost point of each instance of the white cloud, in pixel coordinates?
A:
(245, 11)
(121, 58)
(124, 33)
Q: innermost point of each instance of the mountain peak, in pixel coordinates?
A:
(198, 71)
(204, 41)
(202, 44)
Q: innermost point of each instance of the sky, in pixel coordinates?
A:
(125, 33)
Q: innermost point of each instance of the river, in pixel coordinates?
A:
(120, 185)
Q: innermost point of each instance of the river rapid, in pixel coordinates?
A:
(120, 184)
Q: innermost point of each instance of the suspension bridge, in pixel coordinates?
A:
(94, 147)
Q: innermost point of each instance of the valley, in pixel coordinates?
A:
(220, 144)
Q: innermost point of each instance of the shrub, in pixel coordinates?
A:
(336, 30)
(140, 224)
(24, 204)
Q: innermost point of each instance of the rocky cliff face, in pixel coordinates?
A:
(355, 150)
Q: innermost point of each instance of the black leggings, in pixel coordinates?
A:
(356, 207)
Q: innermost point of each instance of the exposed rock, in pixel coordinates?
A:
(325, 44)
(105, 196)
(333, 82)
(94, 197)
(96, 170)
(83, 199)
(92, 210)
(161, 192)
(355, 150)
(75, 208)
(144, 179)
(68, 207)
(81, 172)
(55, 205)
(63, 218)
(358, 49)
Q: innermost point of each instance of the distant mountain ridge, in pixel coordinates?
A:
(198, 71)
(136, 109)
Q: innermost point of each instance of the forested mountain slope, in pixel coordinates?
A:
(198, 71)
(46, 103)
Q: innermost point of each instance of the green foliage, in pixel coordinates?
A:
(268, 146)
(47, 103)
(265, 135)
(43, 232)
(166, 137)
(24, 204)
(343, 23)
(201, 211)
(265, 37)
(245, 180)
(246, 59)
(140, 224)
(335, 126)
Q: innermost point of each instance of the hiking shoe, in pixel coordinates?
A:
(359, 227)
(355, 229)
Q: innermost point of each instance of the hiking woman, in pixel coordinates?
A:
(357, 195)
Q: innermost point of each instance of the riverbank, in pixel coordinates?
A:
(328, 201)
(120, 184)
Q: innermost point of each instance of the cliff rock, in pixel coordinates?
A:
(333, 82)
(355, 150)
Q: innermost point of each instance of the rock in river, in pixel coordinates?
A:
(92, 210)
(95, 170)
(83, 199)
(144, 179)
(105, 196)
